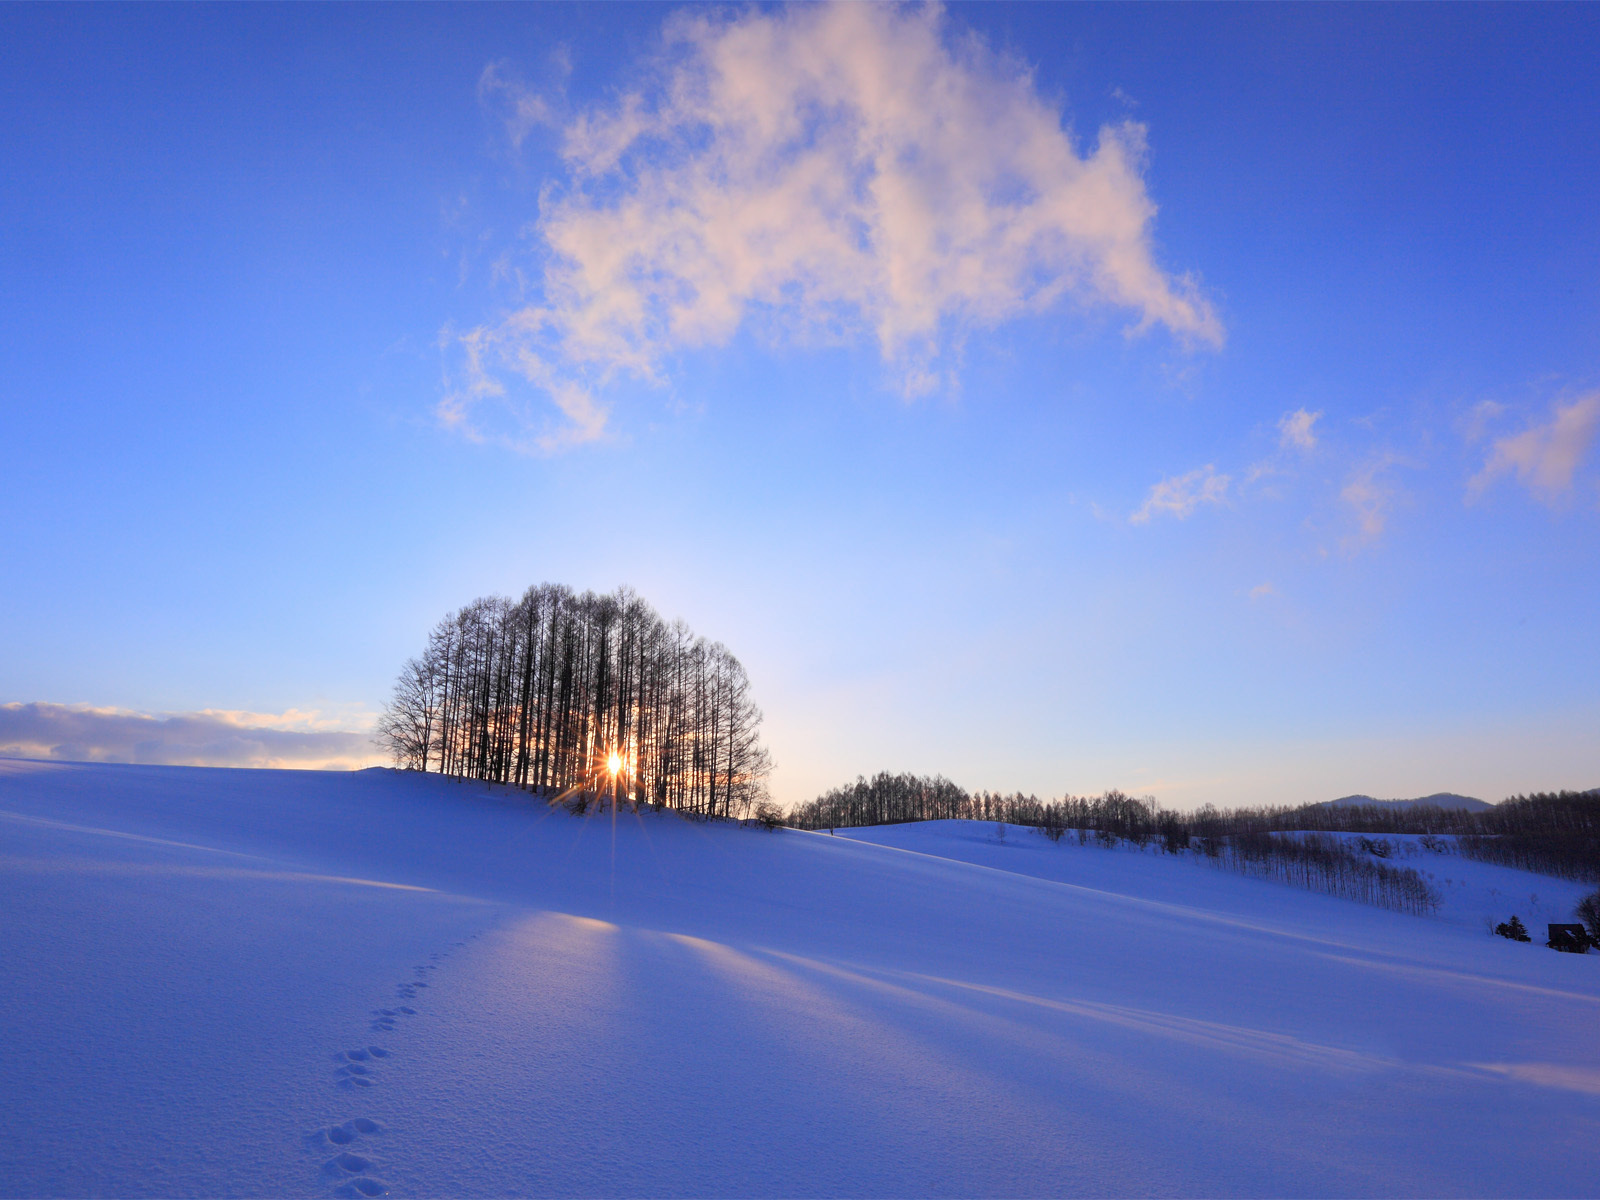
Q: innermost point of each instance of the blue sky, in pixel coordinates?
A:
(1196, 400)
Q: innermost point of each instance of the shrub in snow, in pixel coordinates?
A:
(1588, 911)
(1513, 929)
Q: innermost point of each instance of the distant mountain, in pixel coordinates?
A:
(1437, 800)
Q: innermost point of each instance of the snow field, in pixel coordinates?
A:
(643, 1005)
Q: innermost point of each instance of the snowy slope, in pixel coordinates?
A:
(1473, 895)
(653, 1006)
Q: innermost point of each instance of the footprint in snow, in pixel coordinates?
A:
(361, 1055)
(345, 1164)
(355, 1069)
(361, 1186)
(350, 1131)
(350, 1167)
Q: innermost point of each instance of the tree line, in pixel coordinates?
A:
(1553, 833)
(888, 799)
(1315, 861)
(581, 696)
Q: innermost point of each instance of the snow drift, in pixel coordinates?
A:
(292, 983)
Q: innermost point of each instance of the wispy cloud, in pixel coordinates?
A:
(1297, 437)
(1476, 422)
(1370, 494)
(813, 172)
(1180, 495)
(1545, 457)
(1297, 430)
(212, 737)
(521, 109)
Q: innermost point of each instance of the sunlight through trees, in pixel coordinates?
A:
(583, 696)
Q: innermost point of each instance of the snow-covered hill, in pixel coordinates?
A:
(291, 983)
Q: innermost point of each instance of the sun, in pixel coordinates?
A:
(614, 763)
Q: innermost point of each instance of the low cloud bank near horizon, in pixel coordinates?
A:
(817, 174)
(209, 738)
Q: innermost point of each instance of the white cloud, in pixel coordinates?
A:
(213, 737)
(1180, 495)
(816, 172)
(1544, 458)
(1296, 430)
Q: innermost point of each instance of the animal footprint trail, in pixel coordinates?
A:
(351, 1168)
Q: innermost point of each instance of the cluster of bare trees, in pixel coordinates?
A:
(887, 799)
(584, 696)
(1326, 864)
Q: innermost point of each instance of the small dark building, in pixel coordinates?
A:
(1572, 938)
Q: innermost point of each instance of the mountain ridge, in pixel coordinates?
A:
(1437, 800)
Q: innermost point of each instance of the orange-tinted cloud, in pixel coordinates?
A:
(214, 738)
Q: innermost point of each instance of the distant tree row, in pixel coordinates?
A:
(1554, 833)
(582, 696)
(887, 799)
